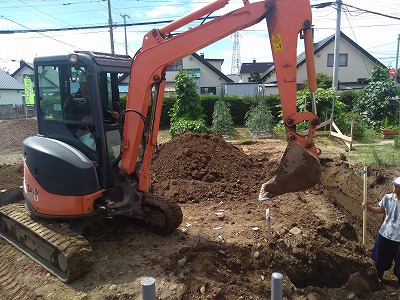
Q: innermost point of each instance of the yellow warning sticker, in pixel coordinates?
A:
(277, 43)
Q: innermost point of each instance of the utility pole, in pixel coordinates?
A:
(126, 40)
(397, 58)
(110, 23)
(336, 59)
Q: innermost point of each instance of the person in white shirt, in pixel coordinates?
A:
(387, 243)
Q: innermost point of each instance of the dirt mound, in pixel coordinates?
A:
(197, 167)
(11, 176)
(222, 249)
(13, 132)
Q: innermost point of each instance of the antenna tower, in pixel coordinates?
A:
(236, 62)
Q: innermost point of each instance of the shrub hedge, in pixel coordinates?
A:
(238, 105)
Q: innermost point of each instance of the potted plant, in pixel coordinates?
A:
(389, 130)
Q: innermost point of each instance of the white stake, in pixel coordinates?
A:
(268, 217)
(365, 209)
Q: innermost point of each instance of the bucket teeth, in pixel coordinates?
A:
(298, 170)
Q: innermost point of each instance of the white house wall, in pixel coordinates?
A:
(207, 78)
(244, 77)
(10, 97)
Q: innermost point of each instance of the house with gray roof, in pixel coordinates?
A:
(25, 69)
(355, 63)
(11, 90)
(207, 72)
(247, 68)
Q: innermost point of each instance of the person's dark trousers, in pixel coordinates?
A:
(383, 254)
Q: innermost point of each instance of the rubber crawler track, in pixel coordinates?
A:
(21, 230)
(172, 214)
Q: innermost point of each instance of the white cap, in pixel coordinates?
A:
(396, 181)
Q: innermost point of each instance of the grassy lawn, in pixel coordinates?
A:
(383, 153)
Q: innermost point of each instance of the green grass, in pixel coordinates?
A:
(241, 134)
(375, 154)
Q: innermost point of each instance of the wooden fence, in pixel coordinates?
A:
(335, 131)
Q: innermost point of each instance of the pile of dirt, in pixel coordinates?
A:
(196, 167)
(11, 176)
(13, 132)
(223, 250)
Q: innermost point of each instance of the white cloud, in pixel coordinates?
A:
(166, 10)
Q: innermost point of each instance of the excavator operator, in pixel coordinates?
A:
(77, 105)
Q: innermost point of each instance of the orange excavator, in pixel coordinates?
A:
(87, 164)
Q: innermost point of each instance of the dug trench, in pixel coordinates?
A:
(222, 249)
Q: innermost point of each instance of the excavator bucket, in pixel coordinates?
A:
(297, 171)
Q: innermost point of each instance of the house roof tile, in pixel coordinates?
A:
(261, 67)
(7, 82)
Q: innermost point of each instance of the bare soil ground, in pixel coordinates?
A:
(221, 250)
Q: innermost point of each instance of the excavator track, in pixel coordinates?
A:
(63, 252)
(160, 216)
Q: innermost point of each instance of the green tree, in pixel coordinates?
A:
(379, 73)
(187, 103)
(323, 81)
(259, 118)
(187, 112)
(222, 122)
(373, 102)
(324, 99)
(255, 76)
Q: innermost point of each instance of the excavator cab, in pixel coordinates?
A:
(79, 100)
(72, 167)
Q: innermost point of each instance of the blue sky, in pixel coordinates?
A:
(376, 34)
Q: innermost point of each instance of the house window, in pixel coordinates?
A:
(208, 90)
(196, 72)
(178, 65)
(343, 58)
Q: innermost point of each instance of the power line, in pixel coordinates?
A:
(373, 12)
(83, 27)
(41, 33)
(43, 12)
(359, 10)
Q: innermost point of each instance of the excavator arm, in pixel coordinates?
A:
(287, 19)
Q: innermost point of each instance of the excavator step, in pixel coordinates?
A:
(63, 252)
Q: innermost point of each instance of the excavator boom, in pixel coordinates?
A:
(287, 20)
